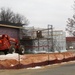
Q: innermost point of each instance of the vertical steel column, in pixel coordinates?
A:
(48, 44)
(52, 38)
(19, 61)
(38, 44)
(48, 38)
(50, 27)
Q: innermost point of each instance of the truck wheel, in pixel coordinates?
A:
(21, 49)
(6, 52)
(12, 49)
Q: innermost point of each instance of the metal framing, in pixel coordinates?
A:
(52, 38)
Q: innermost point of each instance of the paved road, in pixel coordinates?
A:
(67, 69)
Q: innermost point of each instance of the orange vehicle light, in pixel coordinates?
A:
(0, 41)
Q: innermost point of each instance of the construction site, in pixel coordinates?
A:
(41, 46)
(44, 40)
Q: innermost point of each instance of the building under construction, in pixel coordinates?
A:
(43, 40)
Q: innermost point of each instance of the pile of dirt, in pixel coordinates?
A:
(8, 63)
(15, 61)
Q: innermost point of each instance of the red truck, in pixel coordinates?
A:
(10, 45)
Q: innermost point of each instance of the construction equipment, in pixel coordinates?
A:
(10, 45)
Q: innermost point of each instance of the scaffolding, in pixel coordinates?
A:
(46, 40)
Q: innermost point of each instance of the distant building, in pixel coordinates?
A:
(11, 30)
(70, 42)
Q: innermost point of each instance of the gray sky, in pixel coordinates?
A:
(42, 12)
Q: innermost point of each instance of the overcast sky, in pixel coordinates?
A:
(42, 12)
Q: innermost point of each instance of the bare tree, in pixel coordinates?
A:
(71, 26)
(6, 15)
(71, 23)
(17, 18)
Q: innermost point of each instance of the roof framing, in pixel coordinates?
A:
(10, 26)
